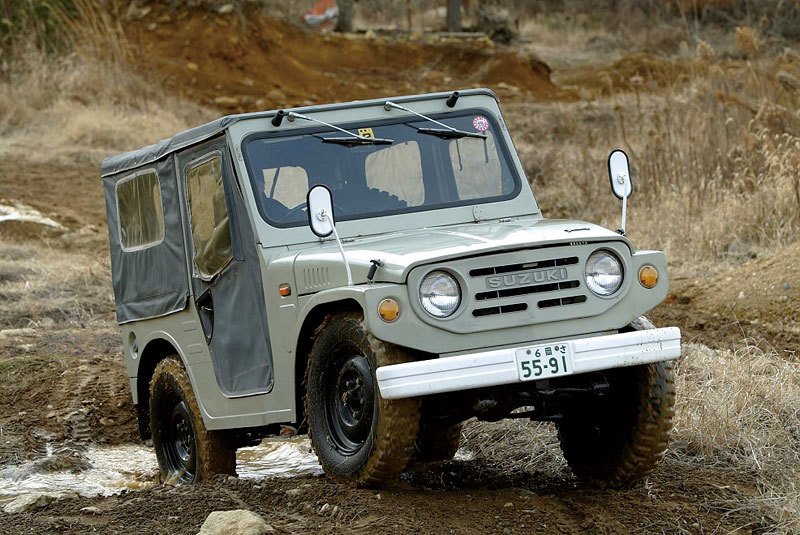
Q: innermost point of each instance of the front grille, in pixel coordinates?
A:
(525, 290)
(509, 268)
(515, 285)
(491, 311)
(561, 301)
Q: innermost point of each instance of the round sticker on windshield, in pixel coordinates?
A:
(480, 123)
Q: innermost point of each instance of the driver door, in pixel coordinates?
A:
(226, 277)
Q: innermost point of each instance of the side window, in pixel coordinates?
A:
(141, 214)
(208, 212)
(397, 170)
(476, 167)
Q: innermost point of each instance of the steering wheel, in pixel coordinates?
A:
(303, 206)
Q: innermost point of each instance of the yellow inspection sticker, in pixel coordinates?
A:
(366, 132)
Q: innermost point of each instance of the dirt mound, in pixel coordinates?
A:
(765, 288)
(633, 72)
(255, 62)
(758, 301)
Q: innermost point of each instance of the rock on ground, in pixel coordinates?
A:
(237, 522)
(28, 502)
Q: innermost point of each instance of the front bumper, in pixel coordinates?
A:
(499, 367)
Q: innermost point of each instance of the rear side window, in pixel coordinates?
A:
(141, 215)
(211, 235)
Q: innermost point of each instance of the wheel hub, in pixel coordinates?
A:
(351, 403)
(179, 443)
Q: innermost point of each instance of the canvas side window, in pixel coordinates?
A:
(141, 214)
(476, 167)
(397, 170)
(211, 234)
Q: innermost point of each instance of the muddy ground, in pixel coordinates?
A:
(63, 385)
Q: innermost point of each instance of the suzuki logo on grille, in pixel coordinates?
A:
(526, 279)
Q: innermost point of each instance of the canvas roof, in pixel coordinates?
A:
(151, 153)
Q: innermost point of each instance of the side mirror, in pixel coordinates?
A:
(320, 219)
(619, 174)
(320, 211)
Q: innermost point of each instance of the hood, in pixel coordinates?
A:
(400, 252)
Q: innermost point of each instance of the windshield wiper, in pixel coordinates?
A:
(448, 132)
(356, 141)
(351, 141)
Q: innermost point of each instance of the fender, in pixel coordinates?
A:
(155, 336)
(326, 297)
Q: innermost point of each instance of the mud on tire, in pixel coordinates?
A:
(187, 452)
(359, 437)
(617, 443)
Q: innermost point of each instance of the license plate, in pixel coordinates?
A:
(544, 361)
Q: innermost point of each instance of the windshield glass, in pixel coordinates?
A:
(418, 171)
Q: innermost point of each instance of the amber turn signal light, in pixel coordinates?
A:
(285, 290)
(648, 276)
(388, 310)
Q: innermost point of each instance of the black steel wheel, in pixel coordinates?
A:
(185, 450)
(351, 402)
(358, 436)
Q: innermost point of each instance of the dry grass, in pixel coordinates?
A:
(714, 145)
(50, 287)
(88, 102)
(740, 409)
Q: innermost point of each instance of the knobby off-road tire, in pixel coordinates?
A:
(618, 442)
(186, 451)
(359, 437)
(436, 442)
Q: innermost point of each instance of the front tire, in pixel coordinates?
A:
(618, 442)
(436, 442)
(359, 437)
(186, 451)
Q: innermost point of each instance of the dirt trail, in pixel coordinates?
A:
(252, 62)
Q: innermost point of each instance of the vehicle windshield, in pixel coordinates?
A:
(418, 170)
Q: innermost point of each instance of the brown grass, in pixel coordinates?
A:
(88, 102)
(715, 150)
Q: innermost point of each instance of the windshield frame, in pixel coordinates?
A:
(499, 137)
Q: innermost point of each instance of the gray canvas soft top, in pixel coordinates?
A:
(151, 153)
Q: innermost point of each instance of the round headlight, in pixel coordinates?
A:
(603, 273)
(439, 294)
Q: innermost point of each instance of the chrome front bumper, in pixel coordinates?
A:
(499, 367)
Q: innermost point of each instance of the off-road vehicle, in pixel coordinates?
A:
(374, 273)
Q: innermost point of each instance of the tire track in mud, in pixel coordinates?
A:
(91, 388)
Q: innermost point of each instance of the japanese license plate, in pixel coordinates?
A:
(544, 361)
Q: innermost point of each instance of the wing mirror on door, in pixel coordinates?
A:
(619, 174)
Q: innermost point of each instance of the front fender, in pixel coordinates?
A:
(327, 299)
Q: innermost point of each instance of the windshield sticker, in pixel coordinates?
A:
(480, 123)
(366, 132)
